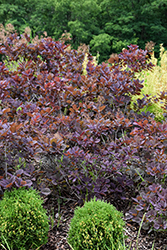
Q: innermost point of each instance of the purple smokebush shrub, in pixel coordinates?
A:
(102, 148)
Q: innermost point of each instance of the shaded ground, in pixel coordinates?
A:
(60, 210)
(63, 212)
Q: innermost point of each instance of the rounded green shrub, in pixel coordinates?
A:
(24, 223)
(96, 225)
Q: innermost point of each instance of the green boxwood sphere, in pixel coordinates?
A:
(24, 223)
(96, 225)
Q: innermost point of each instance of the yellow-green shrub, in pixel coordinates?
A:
(95, 62)
(23, 220)
(13, 65)
(155, 81)
(96, 225)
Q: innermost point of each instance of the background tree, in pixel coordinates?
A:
(155, 14)
(61, 17)
(37, 14)
(84, 22)
(106, 26)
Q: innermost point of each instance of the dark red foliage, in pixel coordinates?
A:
(48, 107)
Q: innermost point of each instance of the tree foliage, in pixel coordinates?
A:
(107, 26)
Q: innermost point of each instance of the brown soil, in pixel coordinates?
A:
(63, 212)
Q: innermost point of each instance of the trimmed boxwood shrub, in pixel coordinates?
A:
(96, 225)
(24, 223)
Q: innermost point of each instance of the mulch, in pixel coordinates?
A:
(61, 208)
(64, 206)
(64, 211)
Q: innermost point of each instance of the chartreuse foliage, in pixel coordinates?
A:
(52, 105)
(96, 225)
(154, 85)
(86, 60)
(24, 223)
(13, 65)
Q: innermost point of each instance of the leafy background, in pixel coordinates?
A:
(74, 123)
(106, 26)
